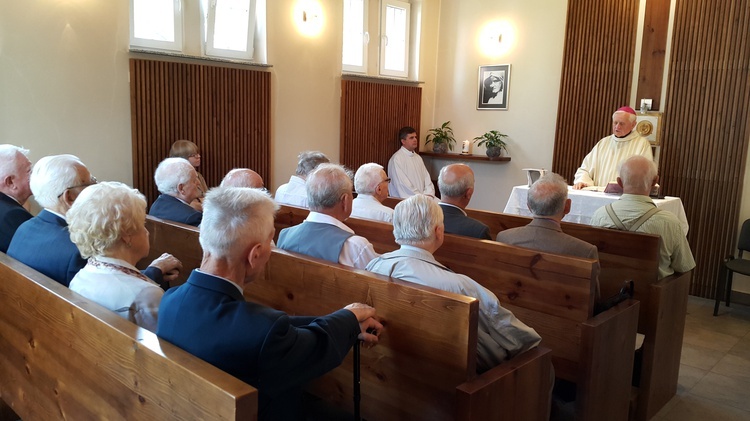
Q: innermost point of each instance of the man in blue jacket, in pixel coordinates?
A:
(15, 169)
(209, 317)
(178, 184)
(43, 242)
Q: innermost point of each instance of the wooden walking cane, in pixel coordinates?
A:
(356, 381)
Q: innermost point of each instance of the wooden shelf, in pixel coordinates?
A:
(459, 157)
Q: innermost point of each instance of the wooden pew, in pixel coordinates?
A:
(424, 365)
(631, 255)
(63, 357)
(554, 295)
(628, 255)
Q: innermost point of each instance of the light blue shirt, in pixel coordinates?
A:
(500, 334)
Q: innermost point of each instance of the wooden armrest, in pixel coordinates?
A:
(607, 363)
(518, 389)
(664, 328)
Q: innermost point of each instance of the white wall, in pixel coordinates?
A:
(535, 55)
(64, 81)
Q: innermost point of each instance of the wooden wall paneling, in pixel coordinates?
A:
(225, 111)
(706, 128)
(654, 46)
(596, 77)
(371, 115)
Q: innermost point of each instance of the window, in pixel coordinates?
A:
(394, 30)
(356, 37)
(230, 26)
(233, 29)
(156, 24)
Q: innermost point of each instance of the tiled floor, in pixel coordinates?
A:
(715, 366)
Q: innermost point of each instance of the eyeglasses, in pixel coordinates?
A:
(91, 182)
(194, 155)
(387, 180)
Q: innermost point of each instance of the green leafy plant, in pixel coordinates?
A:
(494, 141)
(441, 135)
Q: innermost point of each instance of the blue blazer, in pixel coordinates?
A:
(276, 353)
(457, 223)
(43, 243)
(12, 215)
(172, 209)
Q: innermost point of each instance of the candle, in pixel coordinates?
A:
(465, 148)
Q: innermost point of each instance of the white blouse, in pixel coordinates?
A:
(115, 284)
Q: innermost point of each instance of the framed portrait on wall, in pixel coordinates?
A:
(493, 87)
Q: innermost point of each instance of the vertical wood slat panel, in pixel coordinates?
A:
(596, 78)
(371, 116)
(225, 111)
(706, 130)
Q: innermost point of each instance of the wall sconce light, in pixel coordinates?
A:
(496, 38)
(308, 16)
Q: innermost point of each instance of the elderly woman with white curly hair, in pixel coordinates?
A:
(107, 224)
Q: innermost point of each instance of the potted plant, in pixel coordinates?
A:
(493, 141)
(441, 138)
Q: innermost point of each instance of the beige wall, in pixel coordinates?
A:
(64, 81)
(535, 55)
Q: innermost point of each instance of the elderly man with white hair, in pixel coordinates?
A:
(43, 242)
(418, 228)
(15, 169)
(371, 185)
(294, 192)
(323, 234)
(272, 351)
(635, 211)
(242, 177)
(179, 185)
(599, 167)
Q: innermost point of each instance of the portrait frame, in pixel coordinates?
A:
(492, 77)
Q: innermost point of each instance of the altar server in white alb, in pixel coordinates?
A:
(406, 168)
(600, 166)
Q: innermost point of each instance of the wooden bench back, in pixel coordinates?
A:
(622, 255)
(537, 287)
(555, 295)
(424, 365)
(63, 357)
(428, 346)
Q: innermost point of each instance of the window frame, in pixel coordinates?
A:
(210, 22)
(365, 41)
(148, 43)
(398, 4)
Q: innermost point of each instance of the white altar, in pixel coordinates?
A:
(584, 203)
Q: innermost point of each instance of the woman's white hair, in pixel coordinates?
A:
(52, 175)
(172, 172)
(326, 184)
(234, 217)
(367, 178)
(415, 219)
(9, 162)
(102, 214)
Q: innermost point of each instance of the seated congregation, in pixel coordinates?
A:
(536, 288)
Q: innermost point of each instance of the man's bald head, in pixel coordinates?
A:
(637, 175)
(456, 184)
(242, 177)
